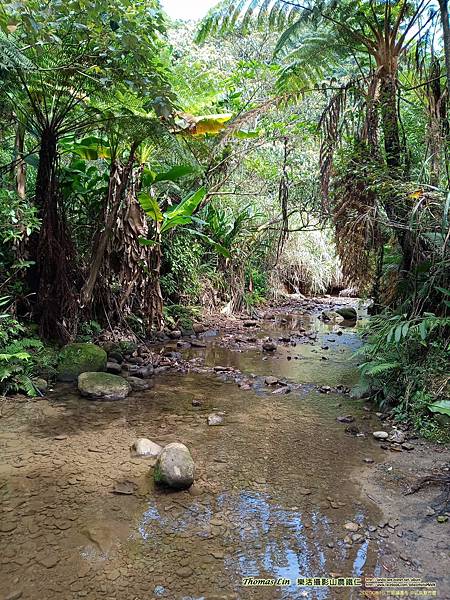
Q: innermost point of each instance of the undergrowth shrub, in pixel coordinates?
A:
(405, 369)
(22, 358)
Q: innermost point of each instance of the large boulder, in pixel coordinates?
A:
(348, 313)
(75, 359)
(175, 467)
(332, 315)
(103, 386)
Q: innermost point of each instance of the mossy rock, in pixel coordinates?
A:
(103, 386)
(332, 315)
(75, 359)
(348, 313)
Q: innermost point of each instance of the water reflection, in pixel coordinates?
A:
(260, 538)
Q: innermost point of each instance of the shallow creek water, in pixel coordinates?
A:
(275, 483)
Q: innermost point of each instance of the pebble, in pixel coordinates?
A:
(345, 419)
(369, 461)
(325, 389)
(350, 526)
(214, 419)
(282, 390)
(380, 435)
(407, 446)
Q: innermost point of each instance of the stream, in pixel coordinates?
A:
(275, 483)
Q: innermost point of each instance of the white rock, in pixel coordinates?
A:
(380, 435)
(145, 447)
(215, 419)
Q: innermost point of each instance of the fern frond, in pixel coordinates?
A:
(10, 55)
(238, 16)
(377, 369)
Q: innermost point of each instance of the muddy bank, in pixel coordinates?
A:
(277, 484)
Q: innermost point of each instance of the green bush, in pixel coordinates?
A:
(405, 368)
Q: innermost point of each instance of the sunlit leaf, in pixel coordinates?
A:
(150, 206)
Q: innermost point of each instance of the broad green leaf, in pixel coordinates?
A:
(148, 177)
(423, 330)
(145, 242)
(89, 148)
(187, 206)
(150, 206)
(442, 407)
(171, 222)
(246, 135)
(175, 173)
(443, 291)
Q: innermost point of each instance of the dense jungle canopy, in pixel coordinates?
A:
(152, 170)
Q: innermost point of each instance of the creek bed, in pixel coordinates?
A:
(275, 483)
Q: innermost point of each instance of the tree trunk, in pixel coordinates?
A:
(389, 120)
(155, 300)
(436, 121)
(118, 179)
(396, 209)
(51, 250)
(443, 5)
(19, 169)
(133, 267)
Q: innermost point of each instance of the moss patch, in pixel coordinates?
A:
(75, 359)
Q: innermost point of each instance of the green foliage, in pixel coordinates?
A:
(18, 220)
(405, 366)
(88, 330)
(177, 315)
(175, 215)
(22, 360)
(181, 269)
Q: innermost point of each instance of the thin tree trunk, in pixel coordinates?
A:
(443, 5)
(155, 300)
(118, 180)
(19, 169)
